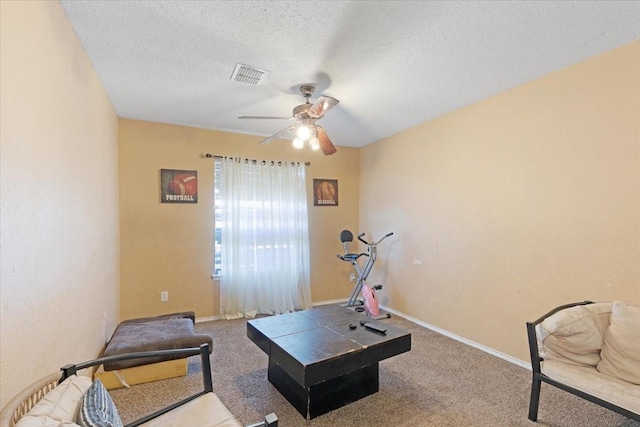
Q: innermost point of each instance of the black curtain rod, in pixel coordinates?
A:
(215, 156)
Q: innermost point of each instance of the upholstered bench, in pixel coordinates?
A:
(166, 332)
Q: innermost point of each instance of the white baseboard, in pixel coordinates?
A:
(448, 334)
(327, 302)
(207, 319)
(463, 340)
(218, 317)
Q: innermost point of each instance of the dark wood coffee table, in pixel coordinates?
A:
(318, 362)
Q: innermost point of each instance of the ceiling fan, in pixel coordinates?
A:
(306, 115)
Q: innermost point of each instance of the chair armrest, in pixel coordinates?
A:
(269, 421)
(203, 351)
(557, 309)
(24, 401)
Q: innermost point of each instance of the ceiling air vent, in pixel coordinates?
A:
(248, 74)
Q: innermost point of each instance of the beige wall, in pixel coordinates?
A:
(501, 210)
(513, 205)
(59, 207)
(169, 247)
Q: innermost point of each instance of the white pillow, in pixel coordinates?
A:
(621, 349)
(575, 335)
(59, 405)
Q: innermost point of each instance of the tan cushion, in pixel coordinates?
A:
(59, 405)
(204, 411)
(31, 421)
(575, 334)
(621, 350)
(589, 380)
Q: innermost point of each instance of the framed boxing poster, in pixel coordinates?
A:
(325, 192)
(178, 186)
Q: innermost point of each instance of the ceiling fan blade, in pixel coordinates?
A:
(321, 106)
(265, 117)
(277, 135)
(326, 145)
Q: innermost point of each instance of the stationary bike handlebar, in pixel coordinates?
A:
(373, 244)
(351, 257)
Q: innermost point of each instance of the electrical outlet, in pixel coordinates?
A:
(352, 277)
(164, 296)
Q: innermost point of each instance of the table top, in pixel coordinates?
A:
(320, 339)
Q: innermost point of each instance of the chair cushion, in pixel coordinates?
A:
(589, 380)
(31, 421)
(98, 409)
(59, 405)
(621, 349)
(204, 411)
(575, 334)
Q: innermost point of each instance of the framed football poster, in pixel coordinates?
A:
(178, 186)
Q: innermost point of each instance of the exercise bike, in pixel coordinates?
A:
(369, 300)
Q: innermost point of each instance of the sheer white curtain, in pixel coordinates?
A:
(264, 238)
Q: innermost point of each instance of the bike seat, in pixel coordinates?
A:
(346, 236)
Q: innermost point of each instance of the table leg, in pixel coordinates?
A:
(318, 399)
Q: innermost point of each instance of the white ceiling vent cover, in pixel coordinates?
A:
(248, 74)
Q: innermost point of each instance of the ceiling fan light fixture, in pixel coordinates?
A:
(314, 142)
(304, 132)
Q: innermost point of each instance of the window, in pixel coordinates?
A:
(261, 253)
(266, 253)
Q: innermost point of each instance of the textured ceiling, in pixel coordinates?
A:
(392, 64)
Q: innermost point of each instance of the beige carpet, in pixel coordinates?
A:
(440, 382)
